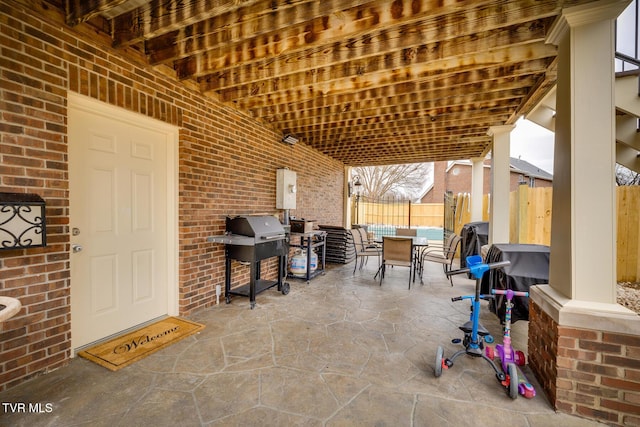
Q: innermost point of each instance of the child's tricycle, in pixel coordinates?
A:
(507, 354)
(475, 335)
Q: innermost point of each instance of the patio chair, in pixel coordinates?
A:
(363, 249)
(443, 255)
(406, 232)
(365, 238)
(397, 251)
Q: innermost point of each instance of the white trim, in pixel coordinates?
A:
(465, 162)
(499, 129)
(346, 199)
(576, 16)
(93, 106)
(584, 314)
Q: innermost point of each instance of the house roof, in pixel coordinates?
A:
(367, 82)
(517, 165)
(528, 169)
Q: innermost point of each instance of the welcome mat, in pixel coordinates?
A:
(128, 348)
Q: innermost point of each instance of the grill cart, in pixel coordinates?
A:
(251, 239)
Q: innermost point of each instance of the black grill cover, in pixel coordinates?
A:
(529, 266)
(473, 236)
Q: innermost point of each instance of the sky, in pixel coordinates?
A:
(533, 143)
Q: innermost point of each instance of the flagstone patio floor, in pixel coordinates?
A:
(339, 351)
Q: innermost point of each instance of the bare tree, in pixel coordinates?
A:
(626, 176)
(407, 180)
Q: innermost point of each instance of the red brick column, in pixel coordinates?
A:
(543, 349)
(589, 373)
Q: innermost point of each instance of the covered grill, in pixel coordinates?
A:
(252, 238)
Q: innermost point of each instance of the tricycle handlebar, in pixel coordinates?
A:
(509, 292)
(491, 266)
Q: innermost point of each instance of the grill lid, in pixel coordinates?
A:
(257, 226)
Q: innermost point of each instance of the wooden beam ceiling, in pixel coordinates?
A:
(364, 81)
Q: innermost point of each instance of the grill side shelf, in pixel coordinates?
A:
(232, 239)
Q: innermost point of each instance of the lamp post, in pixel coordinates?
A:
(358, 190)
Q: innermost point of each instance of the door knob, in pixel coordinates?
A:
(76, 248)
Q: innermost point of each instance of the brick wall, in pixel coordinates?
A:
(33, 157)
(436, 194)
(543, 349)
(515, 181)
(227, 165)
(596, 374)
(458, 179)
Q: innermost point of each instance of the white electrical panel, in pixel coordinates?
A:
(285, 189)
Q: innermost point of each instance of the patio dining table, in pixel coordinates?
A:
(418, 241)
(419, 245)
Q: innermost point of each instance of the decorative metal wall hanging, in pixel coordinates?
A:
(22, 221)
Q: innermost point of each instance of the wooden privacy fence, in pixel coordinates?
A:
(530, 222)
(530, 214)
(397, 212)
(461, 211)
(628, 248)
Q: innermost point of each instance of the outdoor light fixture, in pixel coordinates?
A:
(358, 190)
(289, 139)
(358, 185)
(22, 221)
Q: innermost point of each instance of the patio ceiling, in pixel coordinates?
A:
(365, 82)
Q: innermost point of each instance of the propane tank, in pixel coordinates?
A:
(314, 261)
(298, 264)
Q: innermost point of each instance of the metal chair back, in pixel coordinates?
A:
(397, 251)
(406, 232)
(362, 248)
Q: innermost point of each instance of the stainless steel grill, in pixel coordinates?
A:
(252, 238)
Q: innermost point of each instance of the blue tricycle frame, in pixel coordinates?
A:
(475, 335)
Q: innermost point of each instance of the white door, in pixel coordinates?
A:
(120, 196)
